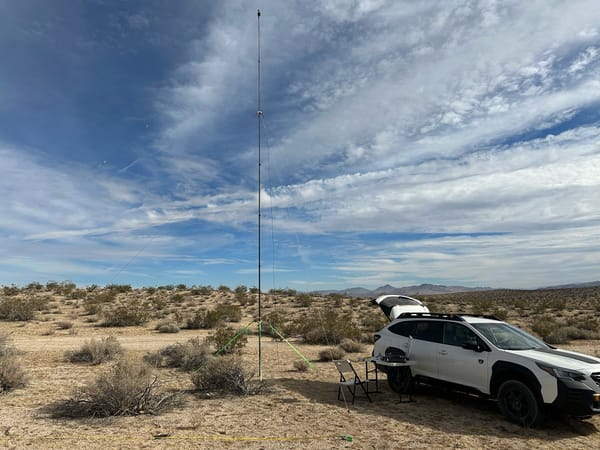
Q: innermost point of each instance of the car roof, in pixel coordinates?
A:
(460, 317)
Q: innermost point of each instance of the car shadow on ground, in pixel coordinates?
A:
(438, 408)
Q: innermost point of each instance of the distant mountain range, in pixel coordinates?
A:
(575, 285)
(423, 289)
(432, 289)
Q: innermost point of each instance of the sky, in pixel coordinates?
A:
(402, 142)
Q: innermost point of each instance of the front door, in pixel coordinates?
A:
(458, 365)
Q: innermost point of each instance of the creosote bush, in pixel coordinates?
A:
(327, 328)
(204, 320)
(225, 340)
(20, 309)
(189, 355)
(12, 376)
(96, 352)
(128, 388)
(126, 315)
(225, 374)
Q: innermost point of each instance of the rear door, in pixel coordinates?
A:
(424, 347)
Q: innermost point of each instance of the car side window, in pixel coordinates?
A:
(429, 331)
(457, 334)
(403, 328)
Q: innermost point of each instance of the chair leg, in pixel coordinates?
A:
(362, 385)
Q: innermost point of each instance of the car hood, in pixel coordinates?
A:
(394, 305)
(562, 358)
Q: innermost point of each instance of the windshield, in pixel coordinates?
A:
(507, 337)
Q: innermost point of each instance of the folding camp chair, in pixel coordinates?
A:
(350, 379)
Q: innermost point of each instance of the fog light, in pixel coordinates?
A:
(597, 397)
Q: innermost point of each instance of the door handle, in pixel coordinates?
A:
(443, 352)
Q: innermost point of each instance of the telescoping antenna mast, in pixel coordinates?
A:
(259, 115)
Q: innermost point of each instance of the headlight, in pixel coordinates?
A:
(559, 372)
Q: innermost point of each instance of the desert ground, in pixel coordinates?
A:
(295, 410)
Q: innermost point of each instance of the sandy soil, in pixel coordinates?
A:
(300, 410)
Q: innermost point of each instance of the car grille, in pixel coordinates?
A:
(596, 377)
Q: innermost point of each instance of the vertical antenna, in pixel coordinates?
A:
(259, 117)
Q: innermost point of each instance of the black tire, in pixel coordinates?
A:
(399, 379)
(519, 404)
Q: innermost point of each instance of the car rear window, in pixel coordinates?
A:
(428, 331)
(403, 328)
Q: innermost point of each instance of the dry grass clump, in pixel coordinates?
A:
(96, 352)
(189, 355)
(225, 374)
(351, 346)
(64, 325)
(301, 365)
(126, 389)
(12, 376)
(167, 327)
(330, 354)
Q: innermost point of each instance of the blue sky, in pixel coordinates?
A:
(451, 142)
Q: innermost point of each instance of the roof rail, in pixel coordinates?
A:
(457, 316)
(430, 314)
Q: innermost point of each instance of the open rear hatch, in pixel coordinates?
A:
(394, 305)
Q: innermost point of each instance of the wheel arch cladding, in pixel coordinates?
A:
(505, 370)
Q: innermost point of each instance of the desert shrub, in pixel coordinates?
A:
(167, 327)
(158, 303)
(225, 374)
(12, 375)
(20, 309)
(227, 340)
(329, 354)
(126, 315)
(274, 320)
(224, 288)
(201, 290)
(327, 328)
(229, 313)
(544, 325)
(501, 314)
(94, 303)
(304, 300)
(241, 295)
(351, 346)
(10, 290)
(189, 355)
(589, 323)
(301, 365)
(96, 352)
(564, 334)
(374, 322)
(128, 388)
(64, 325)
(119, 288)
(482, 305)
(204, 320)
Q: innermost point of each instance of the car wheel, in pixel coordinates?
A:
(399, 379)
(519, 404)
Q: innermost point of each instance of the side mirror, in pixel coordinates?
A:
(472, 346)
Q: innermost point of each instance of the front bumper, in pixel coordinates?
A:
(576, 398)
